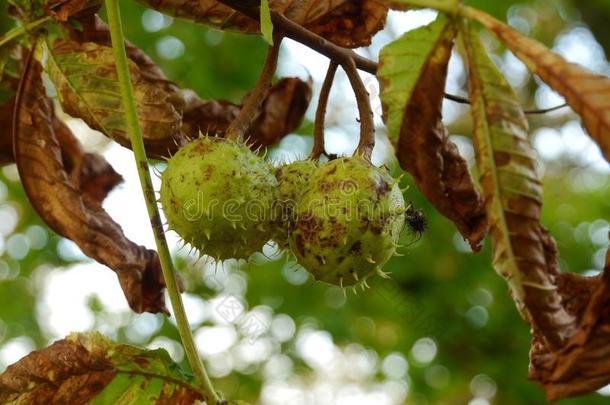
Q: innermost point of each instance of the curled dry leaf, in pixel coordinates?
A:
(62, 10)
(353, 23)
(586, 92)
(89, 172)
(86, 81)
(51, 188)
(89, 368)
(349, 23)
(412, 75)
(582, 365)
(282, 112)
(211, 117)
(522, 250)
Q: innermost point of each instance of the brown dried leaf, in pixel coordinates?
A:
(353, 24)
(412, 74)
(281, 113)
(62, 10)
(582, 365)
(210, 117)
(348, 23)
(586, 92)
(523, 252)
(89, 172)
(85, 367)
(75, 215)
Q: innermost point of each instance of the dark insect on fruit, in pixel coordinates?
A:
(416, 220)
(348, 222)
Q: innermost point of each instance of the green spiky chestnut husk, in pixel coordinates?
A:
(293, 179)
(348, 222)
(218, 196)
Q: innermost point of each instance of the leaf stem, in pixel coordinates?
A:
(19, 31)
(137, 143)
(367, 125)
(240, 125)
(446, 6)
(318, 131)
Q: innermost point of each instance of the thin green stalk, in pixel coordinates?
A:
(447, 6)
(137, 143)
(19, 31)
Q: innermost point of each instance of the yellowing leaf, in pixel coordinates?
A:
(91, 369)
(523, 252)
(412, 74)
(86, 81)
(586, 92)
(266, 24)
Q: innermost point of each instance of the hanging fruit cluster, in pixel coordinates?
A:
(342, 219)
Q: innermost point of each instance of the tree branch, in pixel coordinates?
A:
(334, 52)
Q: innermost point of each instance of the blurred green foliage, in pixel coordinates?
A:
(438, 289)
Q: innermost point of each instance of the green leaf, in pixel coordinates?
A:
(523, 252)
(402, 65)
(86, 81)
(89, 368)
(266, 24)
